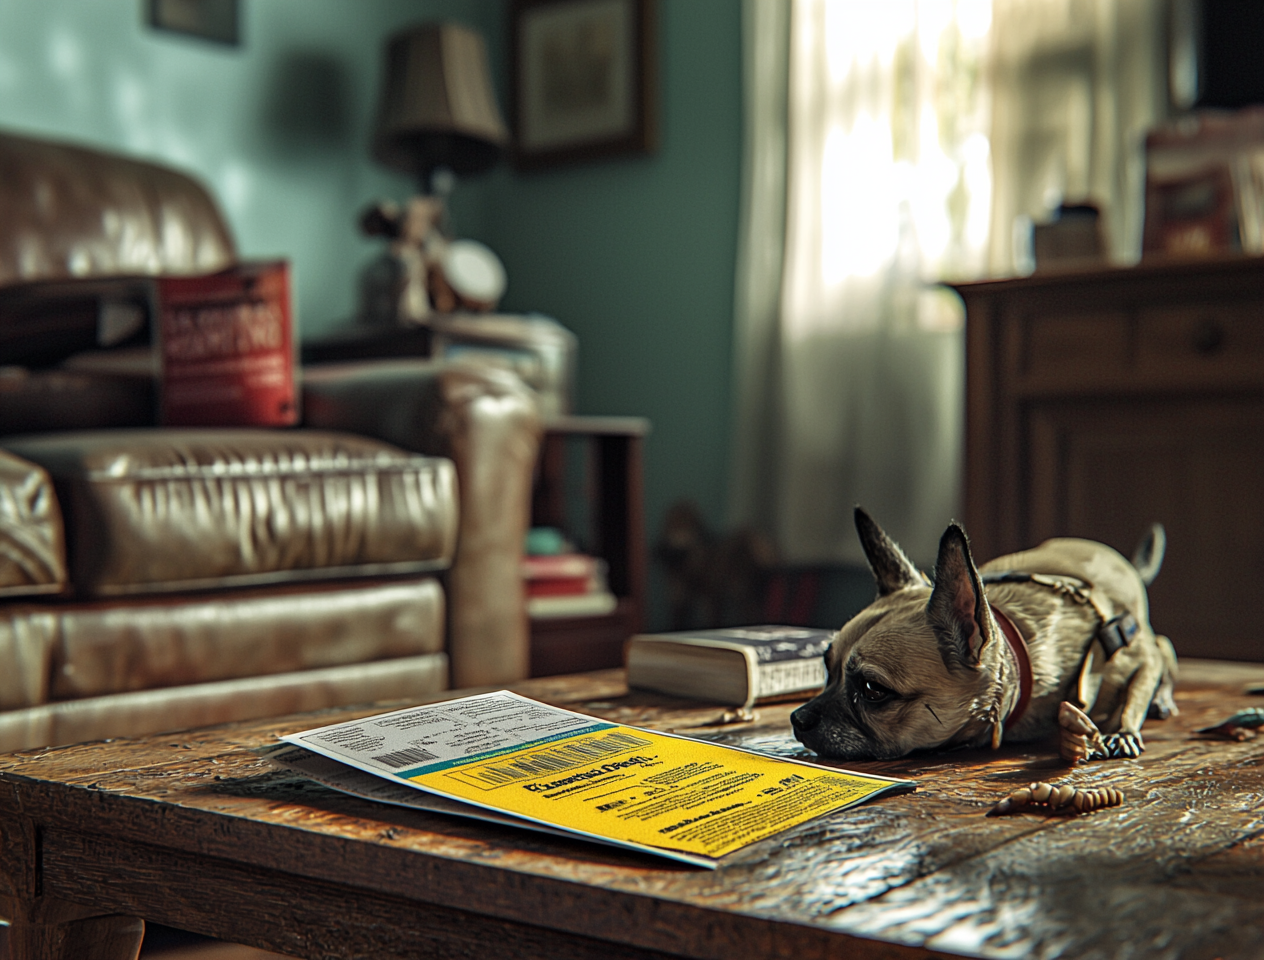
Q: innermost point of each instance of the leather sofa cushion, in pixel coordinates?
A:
(69, 211)
(202, 704)
(171, 510)
(62, 651)
(32, 555)
(112, 646)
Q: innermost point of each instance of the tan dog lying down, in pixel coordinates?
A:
(992, 653)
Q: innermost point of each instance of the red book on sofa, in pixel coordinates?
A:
(227, 347)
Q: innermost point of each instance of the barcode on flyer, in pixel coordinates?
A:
(566, 756)
(409, 756)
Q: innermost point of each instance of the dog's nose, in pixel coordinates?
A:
(804, 719)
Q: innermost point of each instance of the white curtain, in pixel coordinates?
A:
(870, 174)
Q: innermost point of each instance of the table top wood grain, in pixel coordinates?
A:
(194, 831)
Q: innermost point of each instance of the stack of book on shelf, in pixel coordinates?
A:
(566, 585)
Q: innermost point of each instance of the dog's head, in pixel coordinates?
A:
(919, 668)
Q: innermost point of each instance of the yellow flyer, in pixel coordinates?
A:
(671, 795)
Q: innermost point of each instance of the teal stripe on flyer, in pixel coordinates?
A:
(490, 754)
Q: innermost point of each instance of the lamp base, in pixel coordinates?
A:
(424, 272)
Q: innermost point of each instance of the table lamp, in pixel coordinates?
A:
(437, 120)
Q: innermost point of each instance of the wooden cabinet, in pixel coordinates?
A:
(589, 484)
(1099, 402)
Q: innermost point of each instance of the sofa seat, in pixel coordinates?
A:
(68, 651)
(166, 510)
(211, 575)
(203, 704)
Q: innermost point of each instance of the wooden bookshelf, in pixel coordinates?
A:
(589, 485)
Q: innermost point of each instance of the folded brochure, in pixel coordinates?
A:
(338, 776)
(543, 766)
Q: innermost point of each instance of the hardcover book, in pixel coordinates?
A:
(567, 585)
(227, 348)
(733, 665)
(556, 566)
(596, 603)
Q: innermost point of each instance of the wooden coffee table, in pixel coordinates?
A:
(193, 831)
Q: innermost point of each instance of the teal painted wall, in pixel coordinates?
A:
(277, 127)
(637, 257)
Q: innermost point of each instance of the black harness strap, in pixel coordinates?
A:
(1117, 633)
(1114, 634)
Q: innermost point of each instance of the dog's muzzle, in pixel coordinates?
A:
(822, 725)
(811, 729)
(805, 718)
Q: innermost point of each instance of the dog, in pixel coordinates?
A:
(1010, 651)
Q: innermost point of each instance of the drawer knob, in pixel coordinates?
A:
(1208, 337)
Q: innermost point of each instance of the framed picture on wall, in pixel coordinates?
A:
(214, 20)
(584, 80)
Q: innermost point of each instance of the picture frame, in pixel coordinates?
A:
(584, 80)
(218, 21)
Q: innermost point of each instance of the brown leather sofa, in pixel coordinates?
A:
(156, 579)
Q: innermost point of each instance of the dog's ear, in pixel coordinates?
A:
(958, 609)
(891, 568)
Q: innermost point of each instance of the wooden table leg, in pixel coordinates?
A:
(95, 938)
(47, 928)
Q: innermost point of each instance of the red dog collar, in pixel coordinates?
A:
(1019, 647)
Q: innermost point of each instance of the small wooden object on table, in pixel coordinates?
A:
(194, 831)
(613, 519)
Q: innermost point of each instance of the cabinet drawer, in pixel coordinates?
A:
(1082, 344)
(1213, 340)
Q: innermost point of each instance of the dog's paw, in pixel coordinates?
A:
(1080, 739)
(1123, 746)
(1163, 705)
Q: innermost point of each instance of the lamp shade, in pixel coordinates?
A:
(437, 106)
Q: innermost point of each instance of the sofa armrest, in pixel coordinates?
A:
(32, 536)
(488, 422)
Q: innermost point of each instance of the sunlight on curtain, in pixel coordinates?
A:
(889, 189)
(890, 119)
(898, 143)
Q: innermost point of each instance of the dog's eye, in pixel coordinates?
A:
(875, 692)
